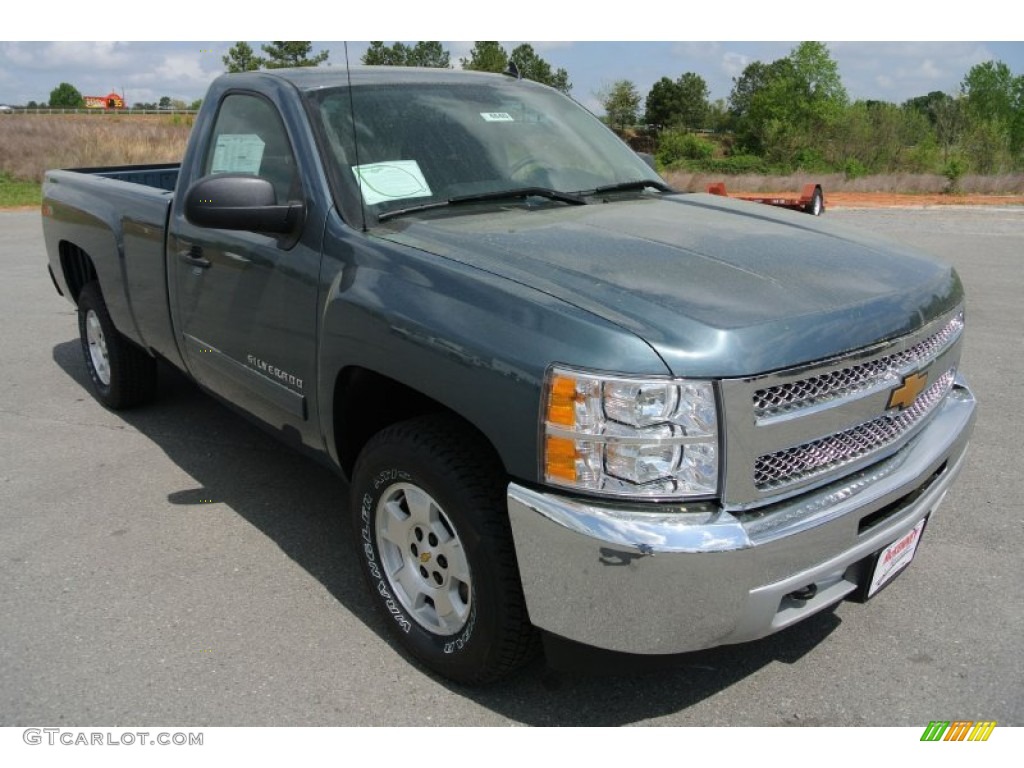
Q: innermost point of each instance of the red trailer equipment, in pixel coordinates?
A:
(811, 200)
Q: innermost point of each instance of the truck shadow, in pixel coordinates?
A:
(302, 507)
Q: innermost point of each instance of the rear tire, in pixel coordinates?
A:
(436, 548)
(122, 374)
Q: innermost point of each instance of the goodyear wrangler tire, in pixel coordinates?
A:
(436, 549)
(122, 374)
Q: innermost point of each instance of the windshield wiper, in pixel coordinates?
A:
(626, 186)
(482, 197)
(411, 209)
(502, 194)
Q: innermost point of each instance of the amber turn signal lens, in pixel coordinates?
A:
(562, 401)
(560, 458)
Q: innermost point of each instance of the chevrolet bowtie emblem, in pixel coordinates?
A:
(906, 393)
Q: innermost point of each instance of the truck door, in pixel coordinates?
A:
(245, 302)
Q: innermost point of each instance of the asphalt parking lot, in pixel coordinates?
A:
(174, 564)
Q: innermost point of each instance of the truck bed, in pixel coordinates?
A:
(117, 216)
(160, 176)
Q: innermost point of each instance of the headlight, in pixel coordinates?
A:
(634, 437)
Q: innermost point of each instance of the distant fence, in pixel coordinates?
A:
(83, 111)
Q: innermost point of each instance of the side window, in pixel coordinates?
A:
(249, 137)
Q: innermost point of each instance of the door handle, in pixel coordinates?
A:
(194, 257)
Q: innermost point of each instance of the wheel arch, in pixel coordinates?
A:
(77, 268)
(365, 402)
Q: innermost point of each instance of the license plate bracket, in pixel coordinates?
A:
(880, 569)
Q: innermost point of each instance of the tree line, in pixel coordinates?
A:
(486, 56)
(67, 96)
(794, 114)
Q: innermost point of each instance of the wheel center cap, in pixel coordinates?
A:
(425, 557)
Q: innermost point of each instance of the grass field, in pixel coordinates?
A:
(15, 192)
(32, 144)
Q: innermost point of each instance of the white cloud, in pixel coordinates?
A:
(66, 55)
(734, 63)
(696, 50)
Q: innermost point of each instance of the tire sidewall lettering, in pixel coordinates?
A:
(368, 547)
(370, 559)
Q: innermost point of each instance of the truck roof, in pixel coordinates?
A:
(315, 78)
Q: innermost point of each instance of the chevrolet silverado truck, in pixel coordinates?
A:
(570, 403)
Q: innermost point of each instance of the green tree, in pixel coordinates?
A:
(294, 53)
(621, 104)
(876, 136)
(490, 56)
(429, 53)
(241, 58)
(818, 80)
(994, 102)
(679, 103)
(926, 105)
(950, 120)
(67, 96)
(486, 56)
(693, 100)
(424, 54)
(789, 108)
(165, 102)
(195, 105)
(533, 67)
(718, 118)
(661, 105)
(379, 54)
(989, 91)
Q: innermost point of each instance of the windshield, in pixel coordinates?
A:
(422, 143)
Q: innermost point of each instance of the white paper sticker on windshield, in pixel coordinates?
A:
(394, 180)
(238, 153)
(497, 117)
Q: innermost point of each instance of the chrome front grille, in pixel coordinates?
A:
(789, 431)
(836, 385)
(805, 461)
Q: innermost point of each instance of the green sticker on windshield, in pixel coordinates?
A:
(393, 180)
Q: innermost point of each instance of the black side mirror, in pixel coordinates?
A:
(240, 201)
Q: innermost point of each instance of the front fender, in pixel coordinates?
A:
(475, 342)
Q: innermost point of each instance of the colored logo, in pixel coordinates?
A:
(906, 393)
(958, 730)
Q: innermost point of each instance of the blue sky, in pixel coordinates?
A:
(32, 63)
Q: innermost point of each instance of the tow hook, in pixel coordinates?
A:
(804, 593)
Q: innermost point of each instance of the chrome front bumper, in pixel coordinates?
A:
(666, 579)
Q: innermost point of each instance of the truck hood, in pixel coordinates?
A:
(718, 287)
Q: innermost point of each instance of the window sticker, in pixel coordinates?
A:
(497, 117)
(393, 180)
(238, 153)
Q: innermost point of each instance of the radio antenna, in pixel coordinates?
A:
(355, 138)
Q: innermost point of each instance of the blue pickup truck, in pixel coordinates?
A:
(571, 403)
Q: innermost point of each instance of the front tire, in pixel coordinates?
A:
(122, 374)
(436, 549)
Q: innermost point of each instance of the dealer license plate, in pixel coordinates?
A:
(895, 558)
